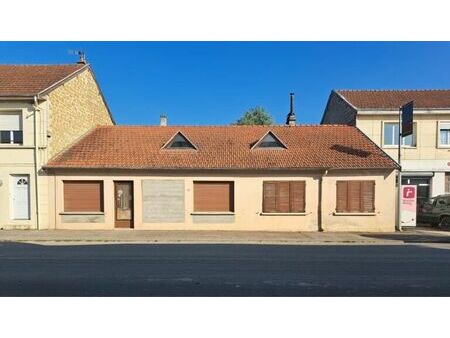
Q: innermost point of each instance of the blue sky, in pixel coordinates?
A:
(215, 82)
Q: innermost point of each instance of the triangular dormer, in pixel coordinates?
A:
(269, 141)
(180, 142)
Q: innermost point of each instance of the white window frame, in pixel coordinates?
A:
(439, 144)
(21, 122)
(390, 146)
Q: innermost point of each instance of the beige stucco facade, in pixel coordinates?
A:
(427, 156)
(62, 116)
(248, 194)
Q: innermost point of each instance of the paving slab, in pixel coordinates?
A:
(249, 237)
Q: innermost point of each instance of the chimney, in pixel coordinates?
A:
(290, 121)
(82, 58)
(163, 120)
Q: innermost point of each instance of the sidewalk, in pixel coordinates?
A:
(222, 237)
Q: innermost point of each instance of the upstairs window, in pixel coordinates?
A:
(390, 135)
(11, 128)
(271, 141)
(444, 134)
(179, 141)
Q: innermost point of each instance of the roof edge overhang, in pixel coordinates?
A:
(41, 94)
(88, 168)
(63, 80)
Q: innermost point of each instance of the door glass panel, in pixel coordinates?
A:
(124, 201)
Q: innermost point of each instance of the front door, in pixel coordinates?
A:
(20, 196)
(123, 192)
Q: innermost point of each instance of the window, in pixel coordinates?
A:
(179, 141)
(213, 196)
(269, 140)
(11, 128)
(355, 196)
(83, 196)
(283, 196)
(444, 133)
(390, 135)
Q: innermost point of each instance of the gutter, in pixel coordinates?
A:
(319, 208)
(36, 158)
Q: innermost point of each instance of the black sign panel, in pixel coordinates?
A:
(407, 119)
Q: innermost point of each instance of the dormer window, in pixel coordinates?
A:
(179, 141)
(269, 141)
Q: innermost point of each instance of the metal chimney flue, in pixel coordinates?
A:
(163, 120)
(291, 119)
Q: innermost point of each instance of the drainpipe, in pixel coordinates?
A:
(36, 158)
(319, 215)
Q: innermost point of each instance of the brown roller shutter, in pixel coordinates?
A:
(213, 196)
(269, 197)
(341, 196)
(297, 196)
(447, 182)
(282, 196)
(367, 196)
(83, 196)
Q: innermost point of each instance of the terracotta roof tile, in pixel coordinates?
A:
(29, 80)
(393, 99)
(223, 147)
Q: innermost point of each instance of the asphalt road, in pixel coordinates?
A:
(224, 270)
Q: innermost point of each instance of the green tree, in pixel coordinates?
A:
(255, 116)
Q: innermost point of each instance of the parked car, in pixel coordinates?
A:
(436, 211)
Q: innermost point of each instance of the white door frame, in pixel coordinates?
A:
(13, 181)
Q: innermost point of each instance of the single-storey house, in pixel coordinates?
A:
(265, 178)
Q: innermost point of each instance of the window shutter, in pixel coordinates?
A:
(354, 196)
(213, 196)
(83, 196)
(297, 196)
(282, 196)
(368, 196)
(269, 197)
(341, 196)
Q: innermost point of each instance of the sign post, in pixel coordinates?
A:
(405, 128)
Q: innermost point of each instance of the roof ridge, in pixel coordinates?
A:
(224, 126)
(393, 90)
(40, 64)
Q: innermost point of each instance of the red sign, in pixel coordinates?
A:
(409, 193)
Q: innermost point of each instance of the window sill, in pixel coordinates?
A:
(82, 213)
(14, 146)
(284, 213)
(354, 213)
(396, 147)
(213, 213)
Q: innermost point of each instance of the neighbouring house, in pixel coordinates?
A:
(43, 109)
(425, 155)
(266, 178)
